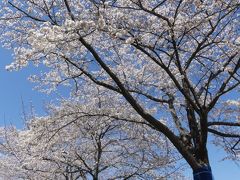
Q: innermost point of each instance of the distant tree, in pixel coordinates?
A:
(180, 57)
(72, 144)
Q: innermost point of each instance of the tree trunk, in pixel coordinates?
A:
(203, 173)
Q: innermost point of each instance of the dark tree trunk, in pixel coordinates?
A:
(203, 173)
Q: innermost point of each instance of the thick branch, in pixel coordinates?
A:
(149, 118)
(223, 134)
(223, 124)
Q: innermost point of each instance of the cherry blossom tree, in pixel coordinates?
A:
(73, 144)
(173, 61)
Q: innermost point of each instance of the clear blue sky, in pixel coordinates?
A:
(15, 89)
(14, 86)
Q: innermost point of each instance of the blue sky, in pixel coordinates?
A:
(15, 87)
(18, 94)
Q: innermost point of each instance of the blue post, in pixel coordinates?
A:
(203, 173)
